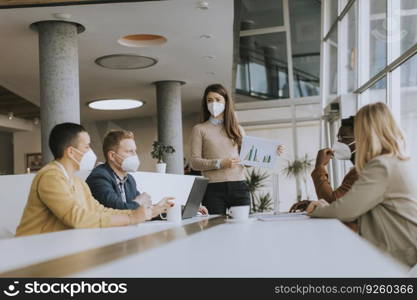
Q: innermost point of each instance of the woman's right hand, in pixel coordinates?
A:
(312, 206)
(229, 162)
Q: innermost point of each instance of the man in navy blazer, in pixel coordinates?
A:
(106, 189)
(111, 184)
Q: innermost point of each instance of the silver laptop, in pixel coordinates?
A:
(195, 198)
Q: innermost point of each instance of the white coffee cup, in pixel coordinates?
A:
(174, 214)
(239, 213)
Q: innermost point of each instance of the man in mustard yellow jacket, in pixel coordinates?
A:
(59, 200)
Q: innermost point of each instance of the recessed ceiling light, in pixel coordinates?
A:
(125, 61)
(205, 36)
(211, 73)
(142, 40)
(62, 16)
(115, 104)
(203, 4)
(209, 57)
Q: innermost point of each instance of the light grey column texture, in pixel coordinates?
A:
(168, 99)
(59, 78)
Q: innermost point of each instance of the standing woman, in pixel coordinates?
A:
(215, 146)
(384, 198)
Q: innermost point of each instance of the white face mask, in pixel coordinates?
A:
(342, 151)
(216, 108)
(88, 161)
(130, 164)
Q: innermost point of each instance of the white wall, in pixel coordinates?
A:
(145, 131)
(25, 142)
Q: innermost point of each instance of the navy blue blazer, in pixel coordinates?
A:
(104, 188)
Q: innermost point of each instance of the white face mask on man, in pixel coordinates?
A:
(216, 108)
(130, 163)
(342, 151)
(88, 161)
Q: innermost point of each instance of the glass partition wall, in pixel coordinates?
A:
(278, 84)
(369, 55)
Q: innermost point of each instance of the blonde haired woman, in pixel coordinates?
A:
(384, 198)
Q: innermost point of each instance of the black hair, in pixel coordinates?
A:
(62, 136)
(349, 122)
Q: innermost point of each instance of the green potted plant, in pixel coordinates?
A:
(255, 179)
(299, 168)
(263, 203)
(158, 152)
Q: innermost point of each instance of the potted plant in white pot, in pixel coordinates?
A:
(158, 151)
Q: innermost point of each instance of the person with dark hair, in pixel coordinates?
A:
(343, 149)
(215, 146)
(59, 200)
(111, 184)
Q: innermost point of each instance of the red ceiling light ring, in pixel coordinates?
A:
(142, 40)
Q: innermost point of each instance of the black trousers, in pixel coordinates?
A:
(223, 195)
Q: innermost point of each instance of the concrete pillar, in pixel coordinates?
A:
(59, 79)
(168, 99)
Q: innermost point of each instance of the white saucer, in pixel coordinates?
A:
(233, 221)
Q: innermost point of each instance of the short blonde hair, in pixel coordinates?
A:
(112, 140)
(377, 133)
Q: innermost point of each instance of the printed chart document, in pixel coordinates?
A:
(259, 152)
(285, 217)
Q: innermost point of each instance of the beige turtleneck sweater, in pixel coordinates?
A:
(210, 143)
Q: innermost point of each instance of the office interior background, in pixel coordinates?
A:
(294, 67)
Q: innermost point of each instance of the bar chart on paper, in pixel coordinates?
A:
(259, 152)
(254, 155)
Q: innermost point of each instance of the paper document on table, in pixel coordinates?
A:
(285, 217)
(259, 152)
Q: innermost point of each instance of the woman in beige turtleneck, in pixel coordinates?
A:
(215, 146)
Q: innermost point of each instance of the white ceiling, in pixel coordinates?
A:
(181, 58)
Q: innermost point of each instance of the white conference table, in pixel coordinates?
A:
(200, 247)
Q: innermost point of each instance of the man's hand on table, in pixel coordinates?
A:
(203, 210)
(162, 206)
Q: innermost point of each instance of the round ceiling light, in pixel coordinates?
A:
(62, 16)
(142, 40)
(125, 61)
(115, 104)
(203, 4)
